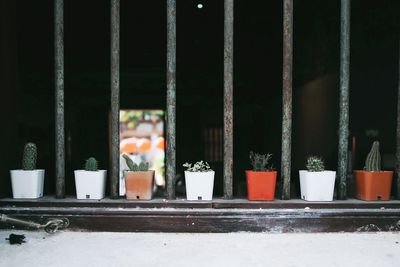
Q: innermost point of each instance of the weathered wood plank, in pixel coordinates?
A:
(70, 202)
(216, 221)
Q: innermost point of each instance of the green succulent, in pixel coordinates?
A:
(142, 167)
(200, 166)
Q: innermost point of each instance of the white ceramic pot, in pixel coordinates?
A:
(199, 185)
(90, 184)
(27, 184)
(317, 186)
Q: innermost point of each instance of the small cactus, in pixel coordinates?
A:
(315, 164)
(142, 167)
(373, 161)
(91, 164)
(29, 157)
(260, 162)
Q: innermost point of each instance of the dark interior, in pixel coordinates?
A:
(27, 99)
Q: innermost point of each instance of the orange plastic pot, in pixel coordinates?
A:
(261, 185)
(139, 185)
(373, 185)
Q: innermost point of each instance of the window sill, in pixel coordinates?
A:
(218, 215)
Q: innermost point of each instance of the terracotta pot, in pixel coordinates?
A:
(373, 185)
(139, 185)
(261, 185)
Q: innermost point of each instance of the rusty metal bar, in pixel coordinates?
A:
(398, 132)
(287, 96)
(228, 99)
(344, 97)
(114, 174)
(59, 96)
(51, 226)
(171, 98)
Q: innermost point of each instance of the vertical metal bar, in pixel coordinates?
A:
(114, 178)
(59, 96)
(344, 97)
(398, 132)
(287, 96)
(228, 99)
(171, 97)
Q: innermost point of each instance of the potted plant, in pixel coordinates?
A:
(90, 183)
(199, 179)
(28, 182)
(261, 180)
(139, 180)
(316, 184)
(372, 183)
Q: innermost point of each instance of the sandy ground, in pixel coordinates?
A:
(234, 249)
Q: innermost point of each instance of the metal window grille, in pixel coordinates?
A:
(228, 98)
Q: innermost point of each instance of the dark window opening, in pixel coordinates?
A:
(27, 84)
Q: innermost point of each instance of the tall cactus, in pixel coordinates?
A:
(91, 164)
(373, 161)
(29, 157)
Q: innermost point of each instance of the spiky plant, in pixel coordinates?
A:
(91, 164)
(142, 167)
(29, 157)
(315, 164)
(260, 162)
(373, 161)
